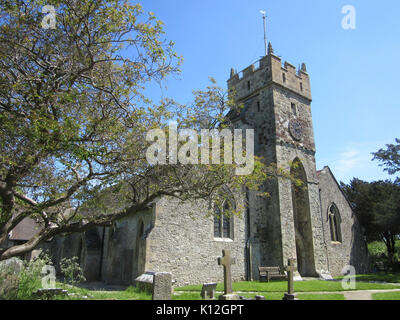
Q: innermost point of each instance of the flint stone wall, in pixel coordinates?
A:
(352, 250)
(182, 242)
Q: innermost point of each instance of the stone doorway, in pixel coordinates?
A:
(302, 222)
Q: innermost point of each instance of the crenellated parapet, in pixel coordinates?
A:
(267, 71)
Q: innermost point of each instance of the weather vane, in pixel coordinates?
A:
(265, 31)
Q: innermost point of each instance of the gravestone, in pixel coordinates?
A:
(291, 268)
(145, 281)
(162, 286)
(297, 276)
(325, 275)
(47, 294)
(256, 298)
(226, 261)
(9, 278)
(208, 290)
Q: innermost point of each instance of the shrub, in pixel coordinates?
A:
(378, 254)
(71, 271)
(30, 277)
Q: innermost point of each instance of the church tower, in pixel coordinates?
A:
(276, 102)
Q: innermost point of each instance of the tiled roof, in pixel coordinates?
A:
(25, 230)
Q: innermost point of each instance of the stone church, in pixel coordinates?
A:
(315, 225)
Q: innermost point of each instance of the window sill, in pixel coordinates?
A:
(223, 240)
(336, 243)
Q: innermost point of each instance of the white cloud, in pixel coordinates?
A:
(356, 161)
(351, 159)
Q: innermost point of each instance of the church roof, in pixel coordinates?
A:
(25, 230)
(328, 170)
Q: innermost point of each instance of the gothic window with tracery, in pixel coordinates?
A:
(223, 224)
(334, 223)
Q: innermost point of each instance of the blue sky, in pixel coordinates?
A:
(354, 73)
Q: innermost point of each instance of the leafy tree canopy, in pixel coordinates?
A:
(390, 158)
(74, 117)
(377, 206)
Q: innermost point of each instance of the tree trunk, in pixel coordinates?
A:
(389, 240)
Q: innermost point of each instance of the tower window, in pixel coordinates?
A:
(301, 86)
(294, 111)
(283, 77)
(258, 106)
(248, 85)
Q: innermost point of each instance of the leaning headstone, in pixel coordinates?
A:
(46, 294)
(297, 276)
(9, 278)
(162, 286)
(325, 275)
(208, 290)
(260, 298)
(291, 268)
(226, 261)
(145, 281)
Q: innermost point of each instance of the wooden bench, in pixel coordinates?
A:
(381, 267)
(270, 273)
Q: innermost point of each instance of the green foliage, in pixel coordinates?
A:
(75, 116)
(74, 120)
(378, 253)
(390, 157)
(377, 249)
(30, 278)
(386, 296)
(71, 271)
(377, 206)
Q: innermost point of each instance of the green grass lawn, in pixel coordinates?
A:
(299, 286)
(327, 296)
(386, 296)
(379, 276)
(194, 295)
(274, 290)
(131, 293)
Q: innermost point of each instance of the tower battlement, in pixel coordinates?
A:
(267, 71)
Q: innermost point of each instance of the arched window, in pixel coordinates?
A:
(223, 225)
(334, 223)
